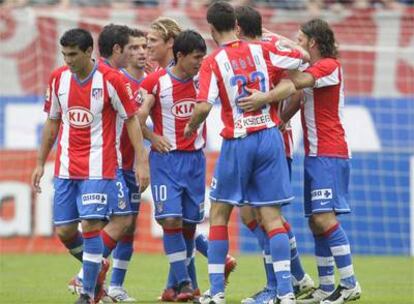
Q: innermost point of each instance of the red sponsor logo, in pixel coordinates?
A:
(183, 108)
(79, 117)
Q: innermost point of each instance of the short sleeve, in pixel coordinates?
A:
(207, 82)
(325, 72)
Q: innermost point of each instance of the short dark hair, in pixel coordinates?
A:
(77, 37)
(112, 34)
(320, 30)
(249, 20)
(221, 15)
(187, 42)
(136, 33)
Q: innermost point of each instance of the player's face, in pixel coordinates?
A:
(303, 40)
(137, 52)
(157, 47)
(191, 63)
(75, 58)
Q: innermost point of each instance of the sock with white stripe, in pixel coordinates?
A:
(174, 247)
(341, 251)
(188, 233)
(92, 259)
(108, 242)
(75, 245)
(218, 247)
(201, 243)
(268, 262)
(325, 263)
(121, 257)
(295, 265)
(280, 252)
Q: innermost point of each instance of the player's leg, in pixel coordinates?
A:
(167, 196)
(125, 247)
(328, 191)
(93, 200)
(270, 195)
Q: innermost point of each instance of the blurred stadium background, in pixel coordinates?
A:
(376, 41)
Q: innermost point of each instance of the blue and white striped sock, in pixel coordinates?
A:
(92, 260)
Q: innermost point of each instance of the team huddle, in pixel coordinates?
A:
(98, 111)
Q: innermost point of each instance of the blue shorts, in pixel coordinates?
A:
(133, 189)
(252, 170)
(289, 163)
(122, 206)
(326, 185)
(178, 184)
(76, 200)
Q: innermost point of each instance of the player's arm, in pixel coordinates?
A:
(135, 136)
(207, 95)
(159, 143)
(286, 42)
(201, 111)
(257, 99)
(292, 107)
(49, 135)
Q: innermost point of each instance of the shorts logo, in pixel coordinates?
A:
(202, 207)
(213, 183)
(321, 194)
(183, 109)
(135, 197)
(79, 117)
(159, 206)
(121, 204)
(94, 198)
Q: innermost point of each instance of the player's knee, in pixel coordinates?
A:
(321, 222)
(246, 215)
(220, 213)
(171, 223)
(66, 232)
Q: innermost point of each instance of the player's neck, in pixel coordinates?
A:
(135, 72)
(86, 71)
(166, 61)
(226, 37)
(315, 55)
(179, 73)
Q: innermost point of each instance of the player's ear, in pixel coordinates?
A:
(312, 42)
(170, 42)
(238, 30)
(89, 51)
(116, 49)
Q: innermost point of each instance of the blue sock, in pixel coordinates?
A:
(174, 247)
(92, 259)
(295, 265)
(258, 232)
(75, 245)
(108, 242)
(121, 257)
(171, 281)
(270, 273)
(325, 264)
(218, 248)
(188, 233)
(280, 251)
(201, 243)
(341, 251)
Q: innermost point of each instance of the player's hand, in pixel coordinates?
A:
(188, 131)
(36, 177)
(253, 102)
(161, 144)
(142, 174)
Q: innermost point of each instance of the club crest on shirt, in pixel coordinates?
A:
(183, 109)
(97, 93)
(79, 117)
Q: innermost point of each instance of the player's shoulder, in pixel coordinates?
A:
(58, 71)
(327, 63)
(154, 76)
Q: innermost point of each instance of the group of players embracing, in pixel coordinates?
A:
(98, 109)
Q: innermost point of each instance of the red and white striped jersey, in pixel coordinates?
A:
(88, 110)
(322, 111)
(227, 72)
(174, 103)
(126, 153)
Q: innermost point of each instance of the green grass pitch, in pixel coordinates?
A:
(43, 278)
